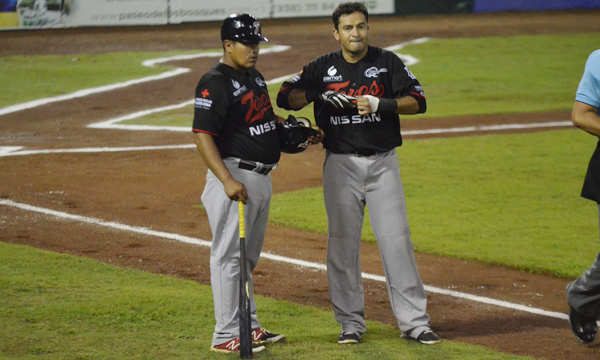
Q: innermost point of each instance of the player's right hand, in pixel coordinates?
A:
(338, 100)
(236, 191)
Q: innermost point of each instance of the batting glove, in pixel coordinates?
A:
(338, 100)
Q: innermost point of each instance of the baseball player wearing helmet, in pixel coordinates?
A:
(358, 92)
(583, 294)
(235, 130)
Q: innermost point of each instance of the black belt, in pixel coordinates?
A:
(257, 167)
(362, 153)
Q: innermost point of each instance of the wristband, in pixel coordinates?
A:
(311, 95)
(387, 106)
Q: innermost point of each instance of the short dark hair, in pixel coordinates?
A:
(347, 9)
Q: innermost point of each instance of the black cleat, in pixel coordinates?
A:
(428, 337)
(584, 328)
(348, 338)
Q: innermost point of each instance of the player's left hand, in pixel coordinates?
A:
(367, 104)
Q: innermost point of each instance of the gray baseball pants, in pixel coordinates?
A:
(349, 183)
(223, 216)
(583, 294)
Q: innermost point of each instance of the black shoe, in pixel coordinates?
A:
(428, 337)
(584, 328)
(348, 338)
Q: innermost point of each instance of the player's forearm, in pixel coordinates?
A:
(211, 156)
(408, 105)
(297, 99)
(585, 117)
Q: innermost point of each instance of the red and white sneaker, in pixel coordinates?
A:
(262, 336)
(233, 346)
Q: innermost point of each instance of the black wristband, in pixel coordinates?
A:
(387, 106)
(311, 95)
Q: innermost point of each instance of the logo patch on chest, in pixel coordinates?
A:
(331, 75)
(240, 90)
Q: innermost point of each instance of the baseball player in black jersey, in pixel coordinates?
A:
(358, 92)
(235, 132)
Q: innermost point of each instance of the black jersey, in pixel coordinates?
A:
(234, 107)
(380, 73)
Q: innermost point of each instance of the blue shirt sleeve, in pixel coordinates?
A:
(588, 91)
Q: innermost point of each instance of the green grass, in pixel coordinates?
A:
(57, 306)
(498, 199)
(26, 78)
(492, 75)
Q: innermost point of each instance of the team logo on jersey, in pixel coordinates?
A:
(331, 72)
(260, 82)
(373, 72)
(235, 84)
(374, 89)
(257, 106)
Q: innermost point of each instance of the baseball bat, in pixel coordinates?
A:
(244, 308)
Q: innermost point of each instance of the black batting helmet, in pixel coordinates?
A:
(242, 28)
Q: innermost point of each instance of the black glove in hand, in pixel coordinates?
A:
(338, 100)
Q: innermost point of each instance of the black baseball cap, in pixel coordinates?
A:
(243, 28)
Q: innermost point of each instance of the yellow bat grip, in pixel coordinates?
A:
(242, 220)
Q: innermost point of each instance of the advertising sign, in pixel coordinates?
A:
(311, 8)
(72, 13)
(117, 12)
(197, 11)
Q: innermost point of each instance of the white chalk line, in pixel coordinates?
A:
(147, 63)
(408, 60)
(487, 128)
(14, 150)
(6, 151)
(272, 257)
